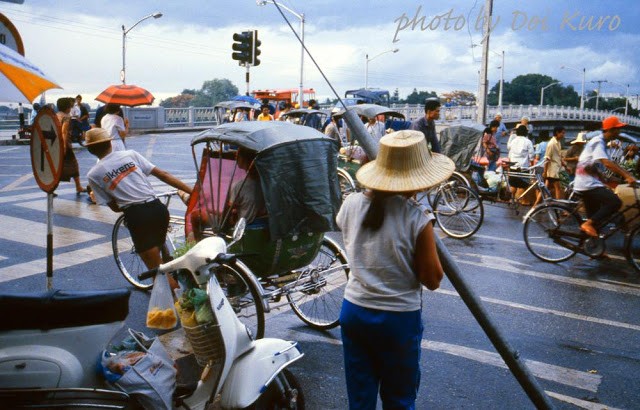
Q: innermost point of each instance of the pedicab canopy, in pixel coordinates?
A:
(297, 168)
(461, 143)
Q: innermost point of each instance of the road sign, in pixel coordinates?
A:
(9, 35)
(47, 150)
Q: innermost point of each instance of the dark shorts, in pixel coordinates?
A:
(552, 179)
(148, 224)
(518, 182)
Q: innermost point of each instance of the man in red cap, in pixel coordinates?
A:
(599, 201)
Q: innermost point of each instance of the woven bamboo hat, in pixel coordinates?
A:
(405, 164)
(96, 136)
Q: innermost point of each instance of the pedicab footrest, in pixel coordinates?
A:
(206, 341)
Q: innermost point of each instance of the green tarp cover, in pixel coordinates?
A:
(461, 143)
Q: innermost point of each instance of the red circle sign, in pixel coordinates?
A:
(47, 150)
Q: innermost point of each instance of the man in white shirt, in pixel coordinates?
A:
(375, 128)
(120, 180)
(520, 152)
(600, 202)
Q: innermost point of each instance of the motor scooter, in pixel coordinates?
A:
(50, 344)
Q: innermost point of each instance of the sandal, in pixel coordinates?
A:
(589, 230)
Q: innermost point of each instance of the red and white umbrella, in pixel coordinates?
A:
(126, 94)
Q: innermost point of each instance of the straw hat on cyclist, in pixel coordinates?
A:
(382, 302)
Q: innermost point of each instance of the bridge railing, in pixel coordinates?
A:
(514, 113)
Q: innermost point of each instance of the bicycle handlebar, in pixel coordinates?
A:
(148, 274)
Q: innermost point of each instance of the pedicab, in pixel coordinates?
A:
(352, 156)
(282, 178)
(306, 116)
(225, 111)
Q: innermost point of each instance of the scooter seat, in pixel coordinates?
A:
(62, 308)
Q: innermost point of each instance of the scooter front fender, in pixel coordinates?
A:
(252, 372)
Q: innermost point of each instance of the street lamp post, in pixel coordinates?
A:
(542, 91)
(501, 77)
(584, 70)
(299, 16)
(598, 90)
(123, 73)
(366, 65)
(626, 96)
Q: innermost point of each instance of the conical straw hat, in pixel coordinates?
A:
(405, 164)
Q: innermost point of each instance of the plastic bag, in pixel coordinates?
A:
(161, 313)
(146, 373)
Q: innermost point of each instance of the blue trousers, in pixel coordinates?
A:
(381, 350)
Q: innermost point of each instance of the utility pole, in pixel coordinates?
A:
(482, 89)
(598, 90)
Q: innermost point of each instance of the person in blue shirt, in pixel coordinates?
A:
(427, 123)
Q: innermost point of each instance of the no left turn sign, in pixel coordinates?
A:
(47, 150)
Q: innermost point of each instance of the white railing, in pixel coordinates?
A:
(513, 113)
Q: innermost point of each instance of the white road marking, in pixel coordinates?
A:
(589, 405)
(507, 265)
(60, 261)
(77, 209)
(549, 311)
(35, 233)
(12, 186)
(563, 375)
(558, 374)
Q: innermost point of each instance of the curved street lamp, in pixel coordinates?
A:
(542, 91)
(366, 66)
(123, 72)
(582, 101)
(300, 16)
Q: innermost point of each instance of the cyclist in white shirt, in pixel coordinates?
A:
(599, 200)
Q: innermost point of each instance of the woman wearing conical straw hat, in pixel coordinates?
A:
(391, 247)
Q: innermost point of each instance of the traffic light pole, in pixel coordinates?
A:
(247, 78)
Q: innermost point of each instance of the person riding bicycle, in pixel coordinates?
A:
(427, 124)
(120, 180)
(599, 200)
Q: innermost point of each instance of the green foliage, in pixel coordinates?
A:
(211, 93)
(525, 89)
(418, 97)
(183, 248)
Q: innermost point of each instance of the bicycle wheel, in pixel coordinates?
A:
(129, 262)
(244, 297)
(458, 210)
(632, 248)
(541, 232)
(319, 289)
(347, 185)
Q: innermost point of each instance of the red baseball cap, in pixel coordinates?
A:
(612, 122)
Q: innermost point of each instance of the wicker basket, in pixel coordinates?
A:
(206, 341)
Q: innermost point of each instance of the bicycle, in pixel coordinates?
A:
(457, 207)
(127, 259)
(502, 192)
(552, 231)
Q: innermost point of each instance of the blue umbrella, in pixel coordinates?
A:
(247, 98)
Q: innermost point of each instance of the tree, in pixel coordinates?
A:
(211, 93)
(458, 97)
(525, 89)
(419, 97)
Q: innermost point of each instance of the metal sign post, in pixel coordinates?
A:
(47, 155)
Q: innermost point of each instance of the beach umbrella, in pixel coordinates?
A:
(125, 94)
(21, 81)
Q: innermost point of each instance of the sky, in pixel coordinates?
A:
(78, 43)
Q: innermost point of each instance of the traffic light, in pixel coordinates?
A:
(242, 47)
(255, 49)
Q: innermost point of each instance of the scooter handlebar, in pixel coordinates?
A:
(223, 258)
(148, 274)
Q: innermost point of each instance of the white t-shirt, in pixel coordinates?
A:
(521, 151)
(114, 124)
(593, 152)
(123, 176)
(376, 130)
(382, 274)
(75, 112)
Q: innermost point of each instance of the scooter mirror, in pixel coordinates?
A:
(238, 230)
